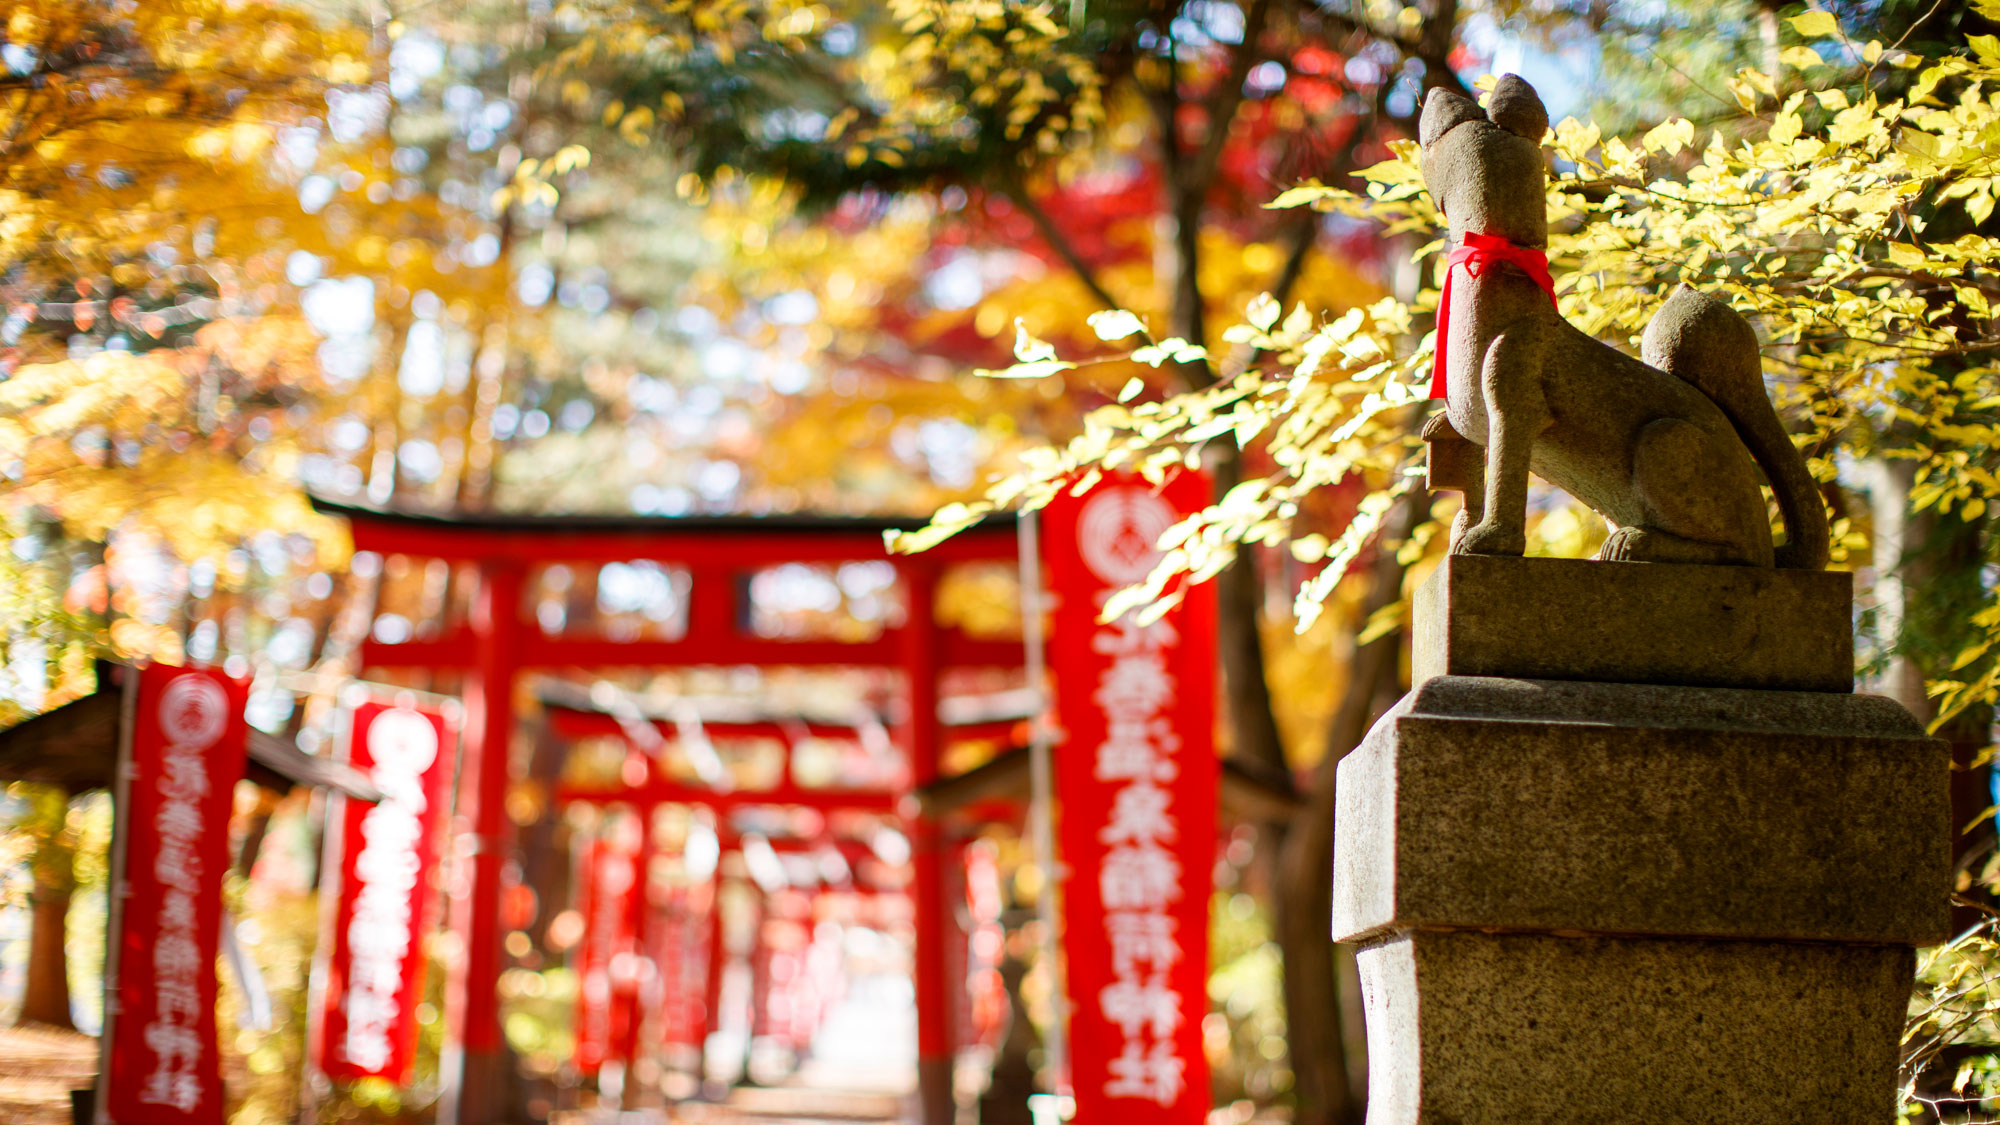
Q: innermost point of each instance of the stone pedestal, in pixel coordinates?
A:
(1631, 851)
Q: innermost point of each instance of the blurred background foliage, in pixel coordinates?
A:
(747, 256)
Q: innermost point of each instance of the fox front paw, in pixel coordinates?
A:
(1460, 524)
(1491, 538)
(1622, 545)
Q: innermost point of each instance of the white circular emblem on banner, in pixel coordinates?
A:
(193, 710)
(1117, 530)
(402, 740)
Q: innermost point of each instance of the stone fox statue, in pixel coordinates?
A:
(1666, 450)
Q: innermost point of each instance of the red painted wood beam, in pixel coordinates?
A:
(690, 547)
(825, 800)
(461, 650)
(570, 722)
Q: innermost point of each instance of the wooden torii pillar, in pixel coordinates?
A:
(495, 647)
(475, 1070)
(922, 743)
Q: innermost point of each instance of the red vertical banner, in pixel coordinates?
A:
(681, 949)
(386, 855)
(182, 757)
(632, 968)
(1136, 780)
(611, 876)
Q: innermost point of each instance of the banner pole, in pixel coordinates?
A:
(315, 1085)
(121, 815)
(1041, 799)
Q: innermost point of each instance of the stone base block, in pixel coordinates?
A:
(1627, 809)
(1477, 1029)
(1638, 623)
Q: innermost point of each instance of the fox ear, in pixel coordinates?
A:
(1444, 110)
(1516, 108)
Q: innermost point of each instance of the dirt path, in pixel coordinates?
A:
(38, 1069)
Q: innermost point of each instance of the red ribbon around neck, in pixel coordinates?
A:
(1476, 253)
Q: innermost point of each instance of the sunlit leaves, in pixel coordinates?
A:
(1814, 223)
(1027, 347)
(1341, 410)
(1956, 1004)
(1115, 324)
(1262, 312)
(1816, 24)
(1669, 137)
(1037, 357)
(114, 125)
(945, 523)
(944, 80)
(1800, 58)
(1173, 348)
(1304, 194)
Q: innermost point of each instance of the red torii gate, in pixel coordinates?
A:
(492, 649)
(852, 852)
(988, 717)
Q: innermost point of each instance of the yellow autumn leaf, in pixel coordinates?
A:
(1669, 137)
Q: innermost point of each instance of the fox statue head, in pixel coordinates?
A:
(1484, 166)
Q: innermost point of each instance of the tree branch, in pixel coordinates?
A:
(1432, 48)
(1225, 101)
(1058, 241)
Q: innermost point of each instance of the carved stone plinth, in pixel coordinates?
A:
(1473, 1028)
(1660, 623)
(1584, 900)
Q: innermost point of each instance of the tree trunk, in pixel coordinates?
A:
(1239, 594)
(259, 826)
(1929, 587)
(1313, 1008)
(46, 999)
